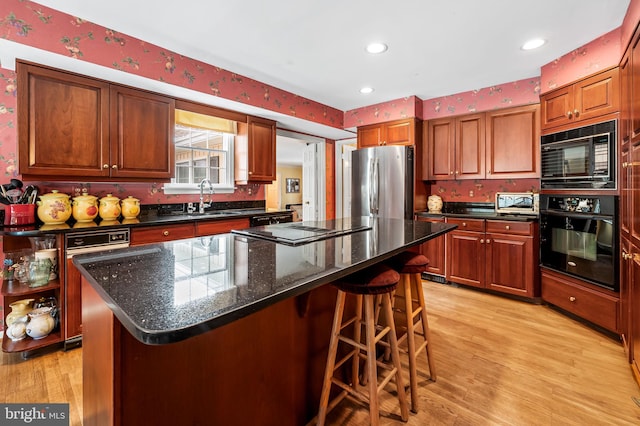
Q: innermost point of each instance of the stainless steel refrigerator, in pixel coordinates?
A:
(382, 182)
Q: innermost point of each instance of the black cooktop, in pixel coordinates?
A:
(297, 233)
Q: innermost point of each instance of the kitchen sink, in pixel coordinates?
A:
(206, 213)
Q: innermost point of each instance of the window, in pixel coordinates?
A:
(203, 150)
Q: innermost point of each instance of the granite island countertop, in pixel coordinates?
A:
(165, 293)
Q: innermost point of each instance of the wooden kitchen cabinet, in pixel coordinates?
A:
(213, 227)
(455, 148)
(465, 262)
(512, 257)
(434, 250)
(13, 290)
(255, 151)
(142, 133)
(75, 126)
(494, 254)
(590, 97)
(397, 132)
(158, 234)
(513, 143)
(597, 305)
(63, 124)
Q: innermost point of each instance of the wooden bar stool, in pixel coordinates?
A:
(364, 285)
(410, 266)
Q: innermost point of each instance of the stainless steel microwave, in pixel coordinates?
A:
(580, 158)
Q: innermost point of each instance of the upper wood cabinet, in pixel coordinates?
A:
(76, 126)
(255, 151)
(513, 143)
(588, 98)
(142, 130)
(455, 148)
(398, 132)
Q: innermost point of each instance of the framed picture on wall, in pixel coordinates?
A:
(293, 185)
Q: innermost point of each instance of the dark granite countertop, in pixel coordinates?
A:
(164, 293)
(475, 210)
(146, 218)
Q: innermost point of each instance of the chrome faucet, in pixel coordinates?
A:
(202, 205)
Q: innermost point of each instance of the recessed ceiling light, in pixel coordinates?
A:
(533, 44)
(376, 47)
(366, 90)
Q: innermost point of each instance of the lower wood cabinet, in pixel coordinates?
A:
(220, 226)
(599, 306)
(158, 234)
(434, 250)
(494, 254)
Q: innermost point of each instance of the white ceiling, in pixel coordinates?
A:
(316, 49)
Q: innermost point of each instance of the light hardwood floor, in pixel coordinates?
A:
(499, 362)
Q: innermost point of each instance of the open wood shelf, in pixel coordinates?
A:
(16, 288)
(28, 344)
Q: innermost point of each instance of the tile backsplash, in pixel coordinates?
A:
(479, 190)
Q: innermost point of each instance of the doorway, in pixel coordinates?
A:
(301, 176)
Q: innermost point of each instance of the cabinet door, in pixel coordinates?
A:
(513, 143)
(63, 123)
(434, 250)
(634, 194)
(634, 277)
(635, 89)
(625, 190)
(142, 128)
(440, 153)
(214, 227)
(597, 95)
(470, 147)
(625, 295)
(624, 123)
(400, 132)
(369, 136)
(509, 264)
(262, 150)
(466, 258)
(556, 107)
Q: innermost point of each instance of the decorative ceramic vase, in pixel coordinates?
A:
(41, 323)
(109, 207)
(19, 308)
(54, 208)
(130, 207)
(434, 204)
(18, 329)
(85, 207)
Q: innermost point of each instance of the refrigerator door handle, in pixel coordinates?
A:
(375, 187)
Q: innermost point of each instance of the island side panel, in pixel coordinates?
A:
(263, 369)
(98, 369)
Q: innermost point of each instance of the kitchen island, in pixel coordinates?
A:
(226, 329)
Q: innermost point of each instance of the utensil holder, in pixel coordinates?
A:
(20, 214)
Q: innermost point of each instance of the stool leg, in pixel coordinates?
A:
(357, 336)
(417, 279)
(395, 357)
(331, 357)
(372, 376)
(405, 280)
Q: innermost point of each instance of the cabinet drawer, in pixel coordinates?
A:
(568, 294)
(510, 227)
(157, 234)
(467, 224)
(220, 226)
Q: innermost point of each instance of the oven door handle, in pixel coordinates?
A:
(576, 215)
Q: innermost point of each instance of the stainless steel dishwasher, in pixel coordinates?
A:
(76, 243)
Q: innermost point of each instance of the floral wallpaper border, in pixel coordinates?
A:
(32, 24)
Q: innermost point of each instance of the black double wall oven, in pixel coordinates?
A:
(578, 236)
(579, 205)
